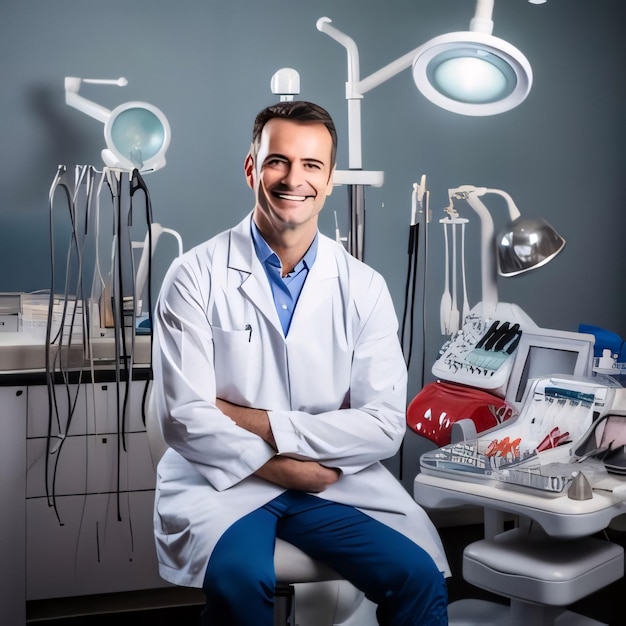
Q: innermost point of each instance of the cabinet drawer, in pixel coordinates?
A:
(92, 551)
(89, 464)
(85, 409)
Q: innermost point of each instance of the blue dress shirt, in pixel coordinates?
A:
(285, 290)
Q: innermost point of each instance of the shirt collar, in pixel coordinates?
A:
(268, 256)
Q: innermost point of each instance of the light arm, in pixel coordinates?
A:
(482, 22)
(352, 95)
(74, 99)
(513, 210)
(356, 88)
(487, 249)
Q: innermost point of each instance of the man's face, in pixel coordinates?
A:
(292, 175)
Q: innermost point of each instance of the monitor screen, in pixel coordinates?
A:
(545, 352)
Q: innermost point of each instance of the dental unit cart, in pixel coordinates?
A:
(561, 465)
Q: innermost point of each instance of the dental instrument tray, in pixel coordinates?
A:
(480, 354)
(538, 449)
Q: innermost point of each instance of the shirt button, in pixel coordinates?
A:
(285, 307)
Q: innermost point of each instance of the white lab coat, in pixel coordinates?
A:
(335, 389)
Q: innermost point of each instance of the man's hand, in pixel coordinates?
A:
(255, 421)
(301, 475)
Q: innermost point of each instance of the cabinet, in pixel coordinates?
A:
(12, 503)
(90, 531)
(77, 497)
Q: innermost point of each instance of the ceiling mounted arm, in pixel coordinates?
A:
(353, 96)
(470, 73)
(74, 99)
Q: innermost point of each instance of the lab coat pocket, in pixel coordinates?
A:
(237, 364)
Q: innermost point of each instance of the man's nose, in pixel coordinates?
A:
(294, 177)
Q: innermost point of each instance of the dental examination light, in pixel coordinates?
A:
(469, 72)
(524, 244)
(137, 134)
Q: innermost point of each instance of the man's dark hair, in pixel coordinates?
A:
(298, 111)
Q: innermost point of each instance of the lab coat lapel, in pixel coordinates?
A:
(245, 267)
(318, 287)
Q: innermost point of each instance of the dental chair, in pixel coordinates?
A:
(292, 566)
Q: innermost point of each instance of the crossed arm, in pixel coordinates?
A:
(281, 470)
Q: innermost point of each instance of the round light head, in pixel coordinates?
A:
(138, 135)
(472, 73)
(526, 243)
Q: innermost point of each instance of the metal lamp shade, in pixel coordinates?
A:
(526, 243)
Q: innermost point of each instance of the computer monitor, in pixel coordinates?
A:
(545, 352)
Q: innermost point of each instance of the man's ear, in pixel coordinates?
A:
(248, 168)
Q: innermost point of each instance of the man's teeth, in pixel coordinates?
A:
(284, 196)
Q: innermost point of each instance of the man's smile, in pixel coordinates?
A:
(290, 197)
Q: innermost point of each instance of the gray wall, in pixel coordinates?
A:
(207, 65)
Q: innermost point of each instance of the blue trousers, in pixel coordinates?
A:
(393, 572)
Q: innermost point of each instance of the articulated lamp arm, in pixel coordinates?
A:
(524, 244)
(89, 107)
(487, 248)
(357, 88)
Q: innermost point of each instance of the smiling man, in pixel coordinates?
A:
(280, 385)
(291, 180)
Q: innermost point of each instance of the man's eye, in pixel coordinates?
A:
(275, 162)
(312, 166)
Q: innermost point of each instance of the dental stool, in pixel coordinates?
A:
(294, 566)
(540, 575)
